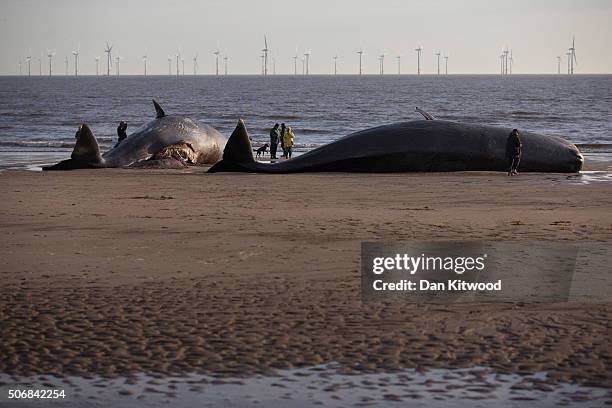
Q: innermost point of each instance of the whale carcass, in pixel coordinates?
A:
(171, 137)
(414, 146)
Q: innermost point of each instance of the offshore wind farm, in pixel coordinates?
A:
(506, 58)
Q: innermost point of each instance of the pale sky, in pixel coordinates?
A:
(471, 32)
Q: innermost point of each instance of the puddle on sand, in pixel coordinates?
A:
(315, 386)
(584, 177)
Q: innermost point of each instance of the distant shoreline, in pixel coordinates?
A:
(562, 75)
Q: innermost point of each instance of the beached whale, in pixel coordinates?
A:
(168, 137)
(415, 146)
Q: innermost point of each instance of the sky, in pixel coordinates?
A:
(471, 32)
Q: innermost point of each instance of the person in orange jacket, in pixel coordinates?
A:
(289, 141)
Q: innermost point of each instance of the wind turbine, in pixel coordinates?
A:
(501, 59)
(558, 65)
(265, 55)
(569, 59)
(40, 65)
(183, 65)
(50, 55)
(506, 60)
(399, 65)
(274, 63)
(225, 64)
(144, 60)
(360, 52)
(438, 55)
(169, 65)
(28, 60)
(66, 62)
(419, 50)
(76, 59)
(195, 65)
(381, 59)
(178, 57)
(511, 62)
(109, 60)
(97, 58)
(336, 64)
(446, 64)
(118, 61)
(572, 51)
(307, 56)
(20, 67)
(295, 57)
(262, 63)
(217, 61)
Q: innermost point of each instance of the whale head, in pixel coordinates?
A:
(549, 154)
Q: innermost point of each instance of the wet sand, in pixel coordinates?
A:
(118, 272)
(321, 385)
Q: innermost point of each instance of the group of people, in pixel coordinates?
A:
(285, 136)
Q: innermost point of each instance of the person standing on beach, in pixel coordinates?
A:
(121, 132)
(282, 138)
(289, 141)
(274, 136)
(514, 150)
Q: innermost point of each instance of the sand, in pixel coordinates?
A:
(116, 272)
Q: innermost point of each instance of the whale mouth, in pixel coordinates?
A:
(578, 162)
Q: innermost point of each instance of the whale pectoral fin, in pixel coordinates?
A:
(238, 152)
(158, 109)
(425, 114)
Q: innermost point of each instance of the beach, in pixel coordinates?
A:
(116, 272)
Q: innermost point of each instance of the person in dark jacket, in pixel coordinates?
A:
(121, 132)
(514, 150)
(274, 138)
(282, 139)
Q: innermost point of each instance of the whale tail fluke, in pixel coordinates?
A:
(86, 153)
(86, 148)
(238, 152)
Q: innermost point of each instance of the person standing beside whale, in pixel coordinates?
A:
(274, 137)
(121, 132)
(288, 142)
(283, 129)
(514, 150)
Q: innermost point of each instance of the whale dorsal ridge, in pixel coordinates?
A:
(159, 110)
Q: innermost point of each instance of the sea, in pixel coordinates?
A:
(40, 114)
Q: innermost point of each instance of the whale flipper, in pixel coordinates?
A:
(159, 110)
(238, 152)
